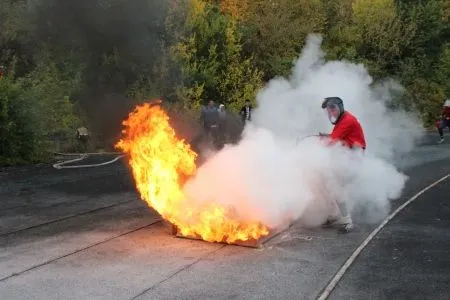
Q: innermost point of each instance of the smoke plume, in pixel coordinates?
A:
(116, 44)
(278, 173)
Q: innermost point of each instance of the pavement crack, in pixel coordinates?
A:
(177, 272)
(76, 251)
(65, 218)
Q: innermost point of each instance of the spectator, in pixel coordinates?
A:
(210, 119)
(246, 112)
(82, 135)
(444, 120)
(2, 71)
(222, 111)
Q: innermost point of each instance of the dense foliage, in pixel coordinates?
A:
(88, 62)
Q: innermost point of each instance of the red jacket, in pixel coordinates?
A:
(348, 130)
(446, 113)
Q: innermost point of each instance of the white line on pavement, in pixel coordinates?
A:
(334, 281)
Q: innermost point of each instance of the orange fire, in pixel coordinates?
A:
(160, 163)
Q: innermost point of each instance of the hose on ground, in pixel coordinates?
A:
(82, 156)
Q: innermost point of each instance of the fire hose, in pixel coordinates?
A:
(306, 137)
(82, 156)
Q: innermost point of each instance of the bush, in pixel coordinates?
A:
(35, 110)
(20, 140)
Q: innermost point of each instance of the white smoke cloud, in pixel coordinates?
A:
(275, 175)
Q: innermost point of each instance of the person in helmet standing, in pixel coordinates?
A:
(347, 131)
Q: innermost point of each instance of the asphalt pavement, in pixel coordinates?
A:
(84, 234)
(409, 258)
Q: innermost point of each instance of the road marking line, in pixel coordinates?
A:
(52, 260)
(65, 217)
(337, 277)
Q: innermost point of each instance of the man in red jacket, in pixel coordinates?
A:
(444, 121)
(347, 131)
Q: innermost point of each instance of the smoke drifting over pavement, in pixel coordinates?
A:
(275, 175)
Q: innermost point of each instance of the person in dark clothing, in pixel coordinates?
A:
(246, 112)
(223, 134)
(82, 135)
(210, 120)
(444, 121)
(2, 71)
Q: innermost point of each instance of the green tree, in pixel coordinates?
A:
(424, 57)
(115, 53)
(275, 31)
(20, 140)
(383, 33)
(428, 97)
(211, 59)
(443, 70)
(342, 39)
(373, 34)
(423, 51)
(50, 87)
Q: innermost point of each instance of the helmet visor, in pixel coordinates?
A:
(333, 112)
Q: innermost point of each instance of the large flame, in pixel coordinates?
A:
(160, 163)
